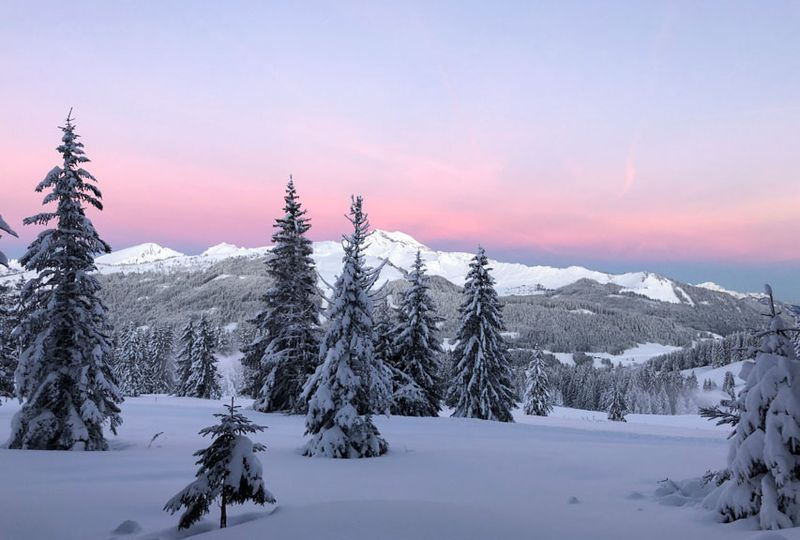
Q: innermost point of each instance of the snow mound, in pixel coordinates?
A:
(127, 527)
(769, 535)
(141, 254)
(682, 492)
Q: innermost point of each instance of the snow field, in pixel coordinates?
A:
(442, 478)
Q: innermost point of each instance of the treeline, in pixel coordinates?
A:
(571, 326)
(227, 293)
(708, 352)
(645, 390)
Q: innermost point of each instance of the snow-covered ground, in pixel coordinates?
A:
(717, 375)
(443, 478)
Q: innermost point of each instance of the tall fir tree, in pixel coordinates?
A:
(537, 398)
(5, 227)
(204, 380)
(8, 343)
(129, 367)
(482, 384)
(229, 471)
(718, 358)
(285, 354)
(183, 361)
(691, 384)
(764, 459)
(417, 347)
(615, 405)
(796, 312)
(384, 325)
(63, 373)
(729, 385)
(344, 389)
(407, 395)
(159, 351)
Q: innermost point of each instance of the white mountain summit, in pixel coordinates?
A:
(399, 249)
(141, 254)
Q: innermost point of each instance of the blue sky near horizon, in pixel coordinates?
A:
(617, 135)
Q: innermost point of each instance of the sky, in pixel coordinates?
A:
(617, 135)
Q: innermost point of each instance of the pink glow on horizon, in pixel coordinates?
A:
(442, 200)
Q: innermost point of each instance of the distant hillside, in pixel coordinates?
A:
(559, 309)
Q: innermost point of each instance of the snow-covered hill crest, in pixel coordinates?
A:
(711, 286)
(399, 250)
(135, 255)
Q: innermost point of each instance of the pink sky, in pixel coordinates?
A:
(531, 130)
(456, 194)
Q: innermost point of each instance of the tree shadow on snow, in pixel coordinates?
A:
(206, 525)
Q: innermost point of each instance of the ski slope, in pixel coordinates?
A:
(443, 478)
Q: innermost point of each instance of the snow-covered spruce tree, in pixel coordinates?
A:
(384, 324)
(796, 313)
(728, 385)
(63, 373)
(616, 406)
(344, 389)
(537, 399)
(407, 395)
(229, 471)
(691, 383)
(203, 380)
(482, 384)
(6, 228)
(417, 347)
(285, 352)
(764, 460)
(718, 358)
(183, 362)
(158, 350)
(129, 367)
(8, 343)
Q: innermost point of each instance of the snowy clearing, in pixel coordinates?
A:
(639, 354)
(442, 478)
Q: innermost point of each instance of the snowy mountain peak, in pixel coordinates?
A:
(389, 238)
(143, 253)
(224, 250)
(400, 249)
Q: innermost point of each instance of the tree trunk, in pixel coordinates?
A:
(223, 515)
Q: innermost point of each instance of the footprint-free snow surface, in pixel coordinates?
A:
(570, 476)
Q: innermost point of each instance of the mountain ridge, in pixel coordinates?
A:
(399, 249)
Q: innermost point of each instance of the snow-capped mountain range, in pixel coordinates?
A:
(398, 250)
